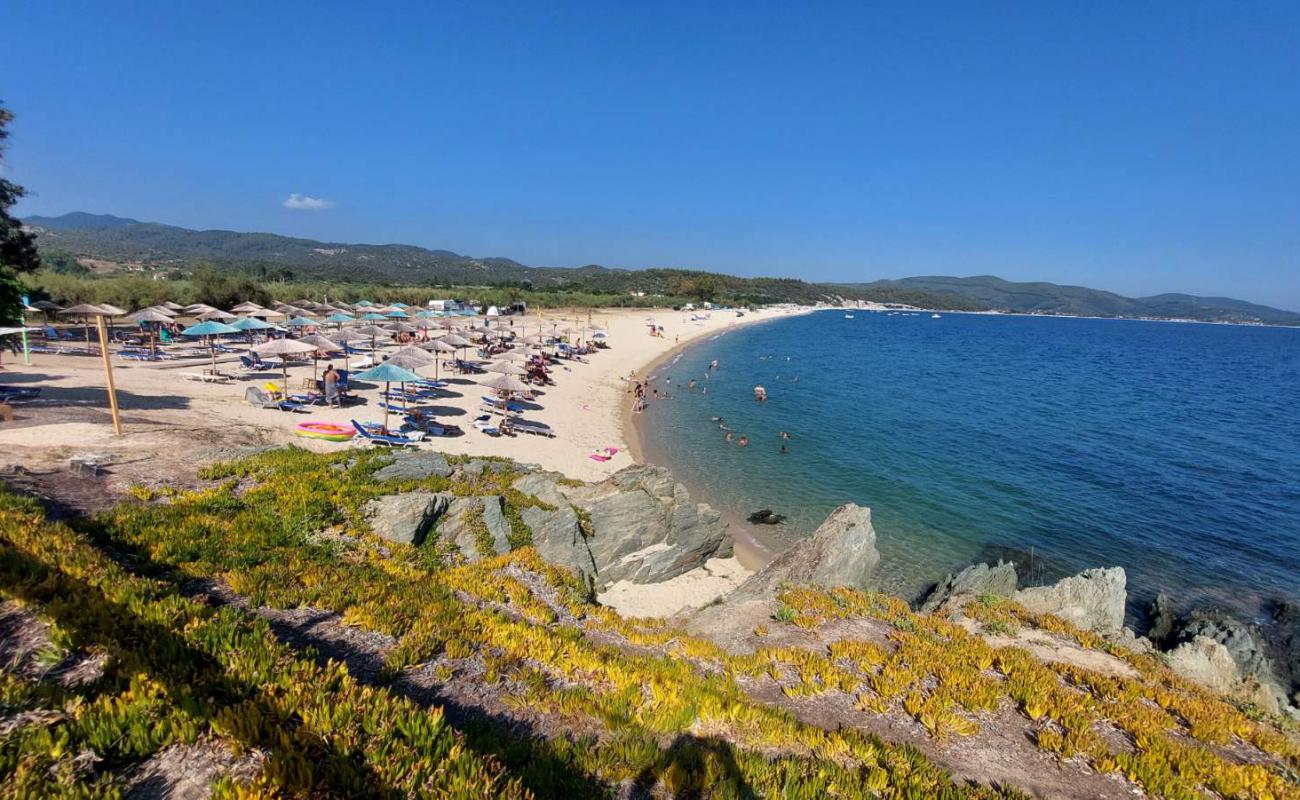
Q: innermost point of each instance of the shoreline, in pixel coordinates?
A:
(751, 550)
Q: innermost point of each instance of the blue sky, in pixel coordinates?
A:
(1140, 147)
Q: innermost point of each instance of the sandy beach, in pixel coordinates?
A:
(172, 425)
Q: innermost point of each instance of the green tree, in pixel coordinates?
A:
(17, 247)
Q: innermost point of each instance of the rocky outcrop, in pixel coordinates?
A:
(1162, 618)
(1206, 662)
(408, 517)
(557, 535)
(415, 465)
(1245, 645)
(544, 486)
(841, 552)
(977, 580)
(645, 528)
(1092, 600)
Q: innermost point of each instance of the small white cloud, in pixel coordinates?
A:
(304, 203)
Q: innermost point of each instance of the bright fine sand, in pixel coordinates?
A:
(171, 425)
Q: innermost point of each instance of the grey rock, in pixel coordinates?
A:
(1162, 618)
(646, 528)
(559, 540)
(455, 529)
(730, 624)
(543, 486)
(973, 581)
(406, 517)
(1092, 600)
(841, 552)
(497, 524)
(1244, 644)
(415, 465)
(1207, 662)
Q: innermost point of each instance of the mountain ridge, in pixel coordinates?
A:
(158, 246)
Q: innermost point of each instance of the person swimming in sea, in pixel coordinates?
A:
(785, 436)
(783, 451)
(743, 441)
(690, 385)
(729, 436)
(713, 364)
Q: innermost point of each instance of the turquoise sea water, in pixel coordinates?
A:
(1172, 450)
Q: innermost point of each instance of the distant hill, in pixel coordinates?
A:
(1052, 298)
(152, 246)
(110, 240)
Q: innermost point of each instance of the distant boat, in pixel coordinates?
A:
(848, 316)
(934, 316)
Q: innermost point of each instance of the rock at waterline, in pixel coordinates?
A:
(645, 527)
(408, 517)
(977, 580)
(1092, 600)
(766, 517)
(841, 552)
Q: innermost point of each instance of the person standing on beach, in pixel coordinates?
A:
(331, 383)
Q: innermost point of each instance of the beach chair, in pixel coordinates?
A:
(387, 439)
(533, 428)
(260, 398)
(205, 377)
(484, 424)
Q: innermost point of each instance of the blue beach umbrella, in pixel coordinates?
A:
(300, 322)
(397, 312)
(211, 329)
(388, 373)
(340, 318)
(373, 315)
(363, 304)
(250, 324)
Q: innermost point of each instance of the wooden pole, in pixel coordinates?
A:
(108, 374)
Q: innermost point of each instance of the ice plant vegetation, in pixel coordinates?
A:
(169, 591)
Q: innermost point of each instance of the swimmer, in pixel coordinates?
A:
(785, 436)
(729, 437)
(743, 441)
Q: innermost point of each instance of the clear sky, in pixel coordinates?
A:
(1139, 147)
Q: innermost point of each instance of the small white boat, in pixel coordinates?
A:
(848, 316)
(934, 316)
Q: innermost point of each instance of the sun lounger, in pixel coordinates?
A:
(260, 398)
(533, 427)
(484, 424)
(387, 439)
(497, 402)
(205, 377)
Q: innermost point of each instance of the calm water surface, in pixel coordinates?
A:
(1172, 450)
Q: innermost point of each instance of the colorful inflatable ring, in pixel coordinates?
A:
(325, 430)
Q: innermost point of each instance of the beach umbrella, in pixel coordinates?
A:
(400, 305)
(197, 308)
(323, 345)
(215, 314)
(85, 311)
(415, 353)
(210, 329)
(363, 304)
(173, 306)
(149, 315)
(396, 313)
(437, 346)
(343, 336)
(250, 324)
(389, 374)
(161, 309)
(374, 332)
(112, 310)
(505, 383)
(338, 318)
(373, 316)
(299, 322)
(506, 368)
(282, 348)
(244, 308)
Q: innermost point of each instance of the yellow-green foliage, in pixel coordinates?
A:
(676, 715)
(938, 667)
(669, 708)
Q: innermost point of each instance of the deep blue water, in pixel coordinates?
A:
(1172, 450)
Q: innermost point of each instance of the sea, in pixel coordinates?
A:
(1170, 449)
